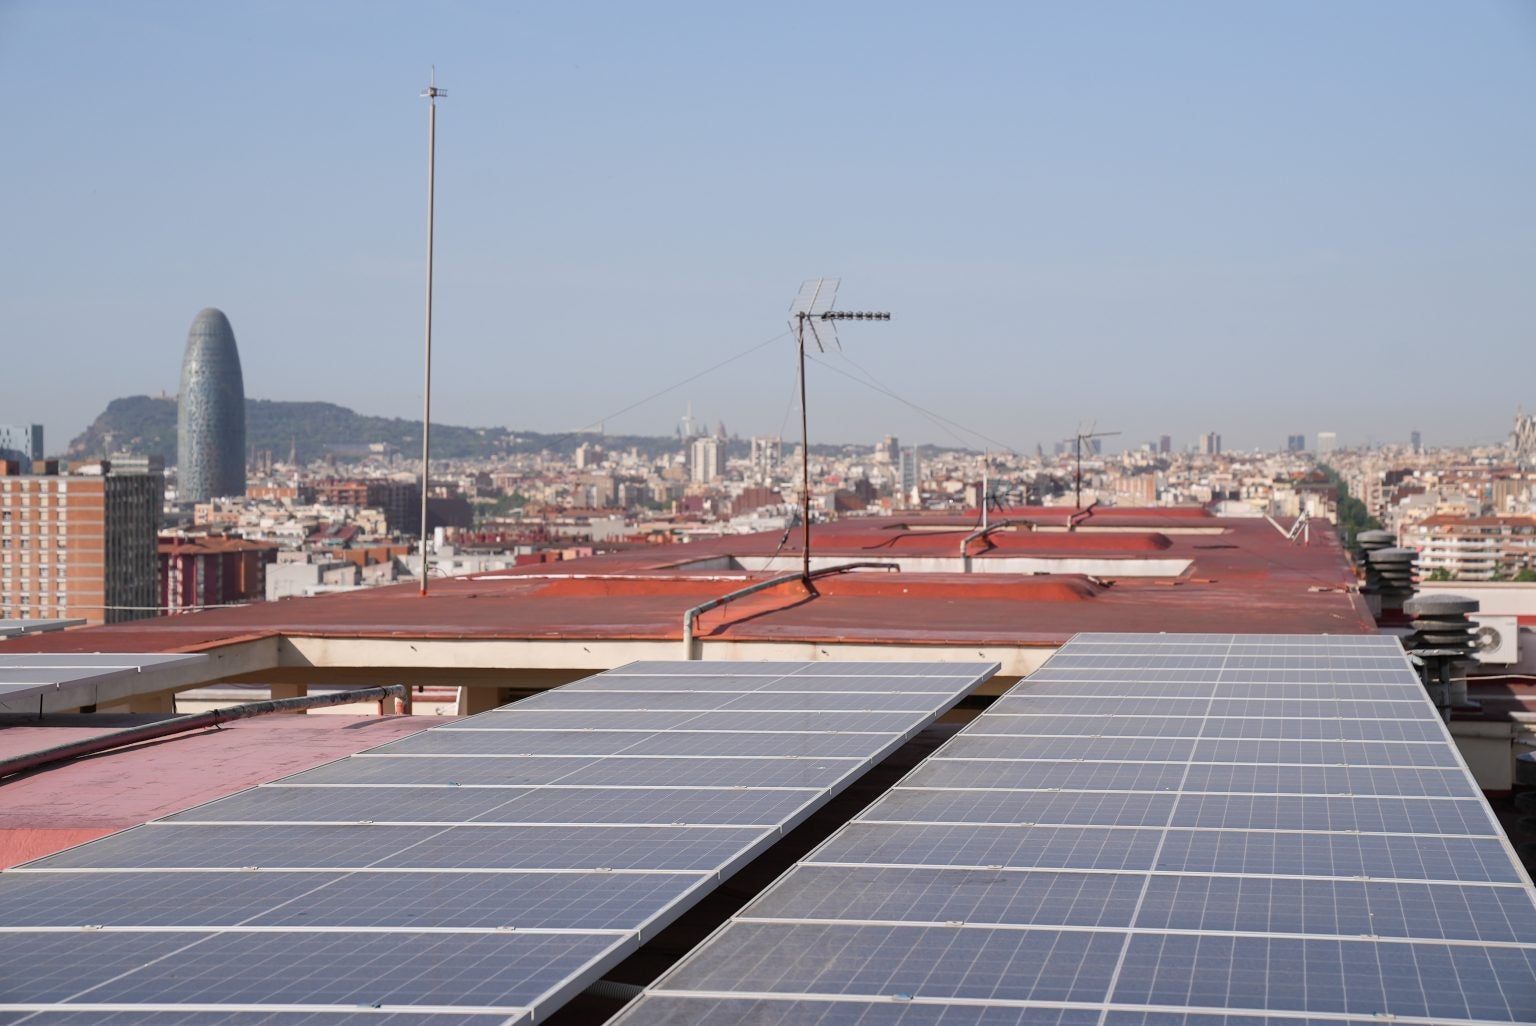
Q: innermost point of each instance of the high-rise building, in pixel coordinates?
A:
(401, 503)
(21, 443)
(767, 454)
(908, 473)
(1295, 443)
(1327, 441)
(1210, 444)
(706, 462)
(1522, 440)
(889, 450)
(1416, 441)
(80, 545)
(1165, 445)
(210, 413)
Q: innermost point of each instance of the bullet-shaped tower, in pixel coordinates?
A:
(210, 413)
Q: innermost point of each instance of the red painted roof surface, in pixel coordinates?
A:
(1245, 578)
(53, 808)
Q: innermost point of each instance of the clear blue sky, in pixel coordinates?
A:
(1255, 218)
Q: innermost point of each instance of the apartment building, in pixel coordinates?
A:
(79, 545)
(1474, 548)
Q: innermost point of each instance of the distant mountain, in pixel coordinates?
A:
(146, 426)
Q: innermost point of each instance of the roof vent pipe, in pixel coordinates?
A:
(1371, 541)
(1443, 642)
(1393, 572)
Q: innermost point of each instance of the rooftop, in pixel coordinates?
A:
(1031, 583)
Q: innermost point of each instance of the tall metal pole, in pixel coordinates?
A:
(431, 93)
(1077, 478)
(805, 464)
(815, 301)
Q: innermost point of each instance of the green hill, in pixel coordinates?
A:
(146, 426)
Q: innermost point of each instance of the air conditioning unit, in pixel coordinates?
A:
(1498, 639)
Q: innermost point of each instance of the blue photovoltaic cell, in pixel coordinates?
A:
(1096, 749)
(1475, 859)
(1007, 965)
(1341, 908)
(388, 969)
(372, 804)
(1215, 830)
(972, 896)
(1326, 753)
(654, 771)
(554, 804)
(1356, 814)
(1349, 976)
(155, 1016)
(703, 701)
(489, 868)
(591, 901)
(672, 1009)
(1085, 776)
(602, 743)
(813, 721)
(1009, 847)
(1065, 808)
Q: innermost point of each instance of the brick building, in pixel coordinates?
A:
(79, 545)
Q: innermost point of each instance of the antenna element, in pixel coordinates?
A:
(812, 310)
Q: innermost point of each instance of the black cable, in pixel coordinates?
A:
(942, 421)
(670, 388)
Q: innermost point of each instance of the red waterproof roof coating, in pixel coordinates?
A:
(1243, 576)
(70, 803)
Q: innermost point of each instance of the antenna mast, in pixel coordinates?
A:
(432, 92)
(812, 310)
(1077, 477)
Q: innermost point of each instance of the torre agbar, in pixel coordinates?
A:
(210, 419)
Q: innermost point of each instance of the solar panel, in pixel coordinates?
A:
(1132, 854)
(35, 683)
(483, 871)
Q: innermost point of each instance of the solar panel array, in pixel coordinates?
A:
(479, 872)
(15, 628)
(1153, 830)
(32, 683)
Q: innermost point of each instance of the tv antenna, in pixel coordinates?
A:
(1077, 476)
(812, 312)
(989, 499)
(430, 94)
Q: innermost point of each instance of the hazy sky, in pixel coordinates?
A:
(1255, 218)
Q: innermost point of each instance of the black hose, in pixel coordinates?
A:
(196, 721)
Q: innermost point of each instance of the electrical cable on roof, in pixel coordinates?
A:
(165, 609)
(789, 526)
(942, 421)
(865, 371)
(674, 387)
(789, 407)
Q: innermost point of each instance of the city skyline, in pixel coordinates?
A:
(687, 426)
(1290, 207)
